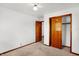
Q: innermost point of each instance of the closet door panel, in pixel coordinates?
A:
(56, 32)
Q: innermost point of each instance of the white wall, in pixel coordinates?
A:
(16, 29)
(42, 28)
(42, 32)
(75, 26)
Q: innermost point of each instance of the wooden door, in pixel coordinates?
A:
(56, 32)
(38, 31)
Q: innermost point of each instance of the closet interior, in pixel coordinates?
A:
(66, 31)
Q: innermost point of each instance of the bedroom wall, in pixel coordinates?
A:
(16, 29)
(42, 32)
(75, 27)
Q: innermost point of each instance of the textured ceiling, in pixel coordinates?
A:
(27, 8)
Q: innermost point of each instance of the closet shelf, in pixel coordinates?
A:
(66, 23)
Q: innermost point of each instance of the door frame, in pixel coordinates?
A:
(70, 29)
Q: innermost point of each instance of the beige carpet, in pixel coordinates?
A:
(38, 49)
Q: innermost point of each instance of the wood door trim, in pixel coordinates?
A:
(62, 15)
(49, 31)
(70, 32)
(70, 29)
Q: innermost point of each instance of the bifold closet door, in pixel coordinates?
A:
(56, 32)
(38, 31)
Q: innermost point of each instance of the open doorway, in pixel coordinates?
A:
(39, 26)
(61, 32)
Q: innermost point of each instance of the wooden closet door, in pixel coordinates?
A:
(38, 31)
(56, 32)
